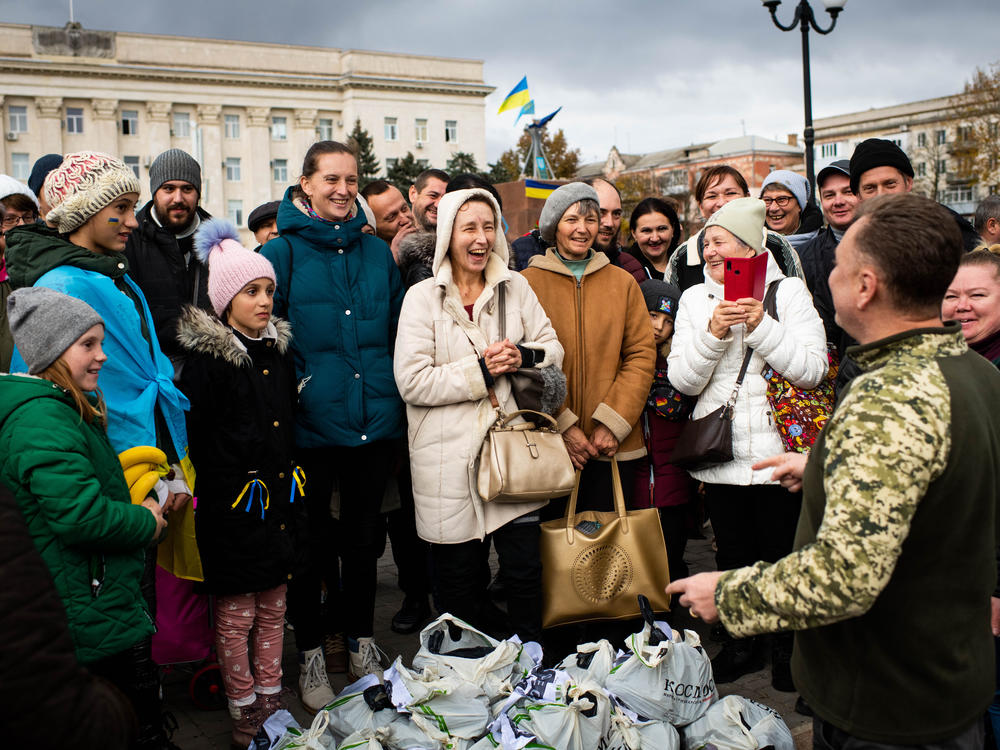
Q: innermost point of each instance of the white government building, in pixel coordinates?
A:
(246, 111)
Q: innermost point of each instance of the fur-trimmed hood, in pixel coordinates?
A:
(416, 248)
(202, 333)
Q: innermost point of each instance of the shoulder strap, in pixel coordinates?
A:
(502, 308)
(771, 299)
(291, 266)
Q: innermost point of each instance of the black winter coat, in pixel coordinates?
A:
(156, 264)
(44, 692)
(240, 428)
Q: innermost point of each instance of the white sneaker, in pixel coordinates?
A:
(368, 659)
(314, 686)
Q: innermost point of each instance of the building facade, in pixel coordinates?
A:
(931, 133)
(246, 111)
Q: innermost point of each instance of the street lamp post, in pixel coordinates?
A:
(805, 18)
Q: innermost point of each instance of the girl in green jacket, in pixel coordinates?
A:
(56, 458)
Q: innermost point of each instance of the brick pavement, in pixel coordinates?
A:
(209, 730)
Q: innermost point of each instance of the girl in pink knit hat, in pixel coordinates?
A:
(249, 521)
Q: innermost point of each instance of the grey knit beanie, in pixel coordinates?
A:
(174, 165)
(744, 219)
(45, 323)
(556, 204)
(795, 184)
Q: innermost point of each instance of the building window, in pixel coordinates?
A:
(942, 166)
(279, 129)
(130, 122)
(325, 129)
(132, 162)
(963, 133)
(921, 140)
(994, 189)
(828, 149)
(20, 166)
(232, 126)
(423, 163)
(182, 125)
(421, 131)
(232, 169)
(897, 141)
(74, 119)
(451, 131)
(234, 209)
(280, 169)
(994, 129)
(940, 137)
(390, 164)
(921, 169)
(17, 119)
(391, 129)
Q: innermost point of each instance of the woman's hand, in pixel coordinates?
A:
(604, 441)
(580, 449)
(161, 523)
(726, 315)
(754, 310)
(501, 357)
(789, 469)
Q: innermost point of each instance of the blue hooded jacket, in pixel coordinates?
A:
(341, 291)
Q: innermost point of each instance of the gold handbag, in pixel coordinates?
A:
(523, 462)
(596, 563)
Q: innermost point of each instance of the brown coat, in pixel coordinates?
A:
(603, 325)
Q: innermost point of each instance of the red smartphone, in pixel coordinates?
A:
(745, 277)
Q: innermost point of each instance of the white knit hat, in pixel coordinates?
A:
(744, 218)
(10, 186)
(82, 185)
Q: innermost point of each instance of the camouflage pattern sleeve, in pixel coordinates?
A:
(886, 442)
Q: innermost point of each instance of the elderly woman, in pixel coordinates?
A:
(753, 517)
(450, 357)
(789, 213)
(973, 299)
(600, 316)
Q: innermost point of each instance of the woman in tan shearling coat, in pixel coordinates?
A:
(448, 354)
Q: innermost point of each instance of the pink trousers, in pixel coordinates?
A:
(235, 616)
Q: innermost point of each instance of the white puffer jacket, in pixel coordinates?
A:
(437, 371)
(702, 365)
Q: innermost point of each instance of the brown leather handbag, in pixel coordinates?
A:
(595, 563)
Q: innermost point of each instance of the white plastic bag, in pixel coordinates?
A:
(592, 661)
(445, 707)
(737, 723)
(495, 666)
(667, 680)
(580, 724)
(362, 705)
(628, 733)
(317, 737)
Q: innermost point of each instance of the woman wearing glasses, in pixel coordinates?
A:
(789, 212)
(17, 206)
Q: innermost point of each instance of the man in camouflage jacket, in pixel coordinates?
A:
(890, 583)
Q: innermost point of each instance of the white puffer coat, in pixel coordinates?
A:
(702, 365)
(437, 371)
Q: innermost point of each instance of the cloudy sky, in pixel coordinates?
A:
(642, 74)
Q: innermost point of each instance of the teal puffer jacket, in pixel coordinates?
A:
(341, 291)
(69, 486)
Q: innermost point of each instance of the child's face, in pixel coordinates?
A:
(663, 326)
(250, 310)
(85, 357)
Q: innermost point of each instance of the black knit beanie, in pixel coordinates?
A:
(660, 296)
(877, 152)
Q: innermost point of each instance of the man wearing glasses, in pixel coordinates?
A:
(17, 206)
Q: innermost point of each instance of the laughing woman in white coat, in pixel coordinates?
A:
(753, 518)
(449, 353)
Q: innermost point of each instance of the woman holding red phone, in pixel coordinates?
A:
(753, 517)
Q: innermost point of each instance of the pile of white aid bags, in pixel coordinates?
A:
(468, 691)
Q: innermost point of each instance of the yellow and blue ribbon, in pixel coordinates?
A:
(298, 482)
(257, 493)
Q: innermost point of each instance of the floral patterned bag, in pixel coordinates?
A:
(798, 413)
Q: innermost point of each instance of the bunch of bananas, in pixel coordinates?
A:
(143, 466)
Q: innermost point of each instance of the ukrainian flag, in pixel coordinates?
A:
(536, 189)
(517, 97)
(527, 109)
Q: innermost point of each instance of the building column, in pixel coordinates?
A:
(5, 165)
(105, 125)
(158, 138)
(259, 140)
(49, 110)
(212, 182)
(305, 130)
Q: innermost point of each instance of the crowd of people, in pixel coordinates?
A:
(333, 387)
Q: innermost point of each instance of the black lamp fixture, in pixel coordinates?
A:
(806, 19)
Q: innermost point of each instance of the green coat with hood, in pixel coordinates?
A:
(69, 486)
